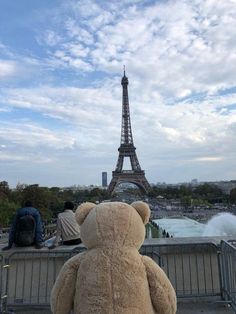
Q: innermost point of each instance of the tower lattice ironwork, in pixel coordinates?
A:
(127, 149)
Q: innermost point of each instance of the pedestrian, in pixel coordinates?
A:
(26, 229)
(67, 231)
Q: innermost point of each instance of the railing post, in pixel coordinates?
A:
(221, 271)
(1, 281)
(228, 257)
(4, 285)
(5, 309)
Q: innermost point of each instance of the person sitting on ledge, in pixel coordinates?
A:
(68, 231)
(26, 229)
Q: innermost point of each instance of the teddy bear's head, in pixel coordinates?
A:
(112, 224)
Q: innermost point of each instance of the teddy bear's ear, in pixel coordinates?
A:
(82, 211)
(143, 210)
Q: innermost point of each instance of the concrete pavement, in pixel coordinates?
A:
(204, 308)
(183, 308)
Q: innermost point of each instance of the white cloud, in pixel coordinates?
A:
(7, 68)
(209, 159)
(5, 109)
(178, 65)
(190, 51)
(4, 157)
(30, 136)
(85, 8)
(78, 33)
(52, 38)
(183, 126)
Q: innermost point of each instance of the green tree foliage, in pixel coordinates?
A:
(211, 193)
(40, 197)
(49, 201)
(202, 194)
(4, 190)
(233, 196)
(7, 212)
(186, 201)
(95, 195)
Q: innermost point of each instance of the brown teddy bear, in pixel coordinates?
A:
(111, 277)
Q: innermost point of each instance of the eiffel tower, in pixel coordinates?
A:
(127, 149)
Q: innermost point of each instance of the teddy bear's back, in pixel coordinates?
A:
(112, 281)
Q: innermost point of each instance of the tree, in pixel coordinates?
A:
(186, 201)
(232, 196)
(209, 192)
(40, 197)
(185, 190)
(7, 213)
(4, 190)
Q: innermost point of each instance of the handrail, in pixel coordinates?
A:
(35, 271)
(228, 258)
(195, 269)
(1, 282)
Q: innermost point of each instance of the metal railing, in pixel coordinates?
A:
(228, 269)
(195, 271)
(1, 283)
(31, 275)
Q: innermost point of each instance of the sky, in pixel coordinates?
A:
(61, 64)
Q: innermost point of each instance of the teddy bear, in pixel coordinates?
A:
(111, 277)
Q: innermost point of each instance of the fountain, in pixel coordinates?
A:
(222, 224)
(180, 227)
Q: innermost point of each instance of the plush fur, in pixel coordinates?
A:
(111, 277)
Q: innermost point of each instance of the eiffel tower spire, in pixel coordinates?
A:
(126, 133)
(127, 149)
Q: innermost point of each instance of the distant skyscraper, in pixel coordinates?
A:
(194, 182)
(104, 179)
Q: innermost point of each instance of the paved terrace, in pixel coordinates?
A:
(179, 257)
(183, 308)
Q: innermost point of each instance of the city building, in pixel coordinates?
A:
(104, 179)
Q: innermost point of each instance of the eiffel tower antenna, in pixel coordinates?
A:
(127, 149)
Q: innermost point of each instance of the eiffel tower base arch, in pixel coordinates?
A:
(136, 178)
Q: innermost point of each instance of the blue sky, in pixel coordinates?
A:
(61, 64)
